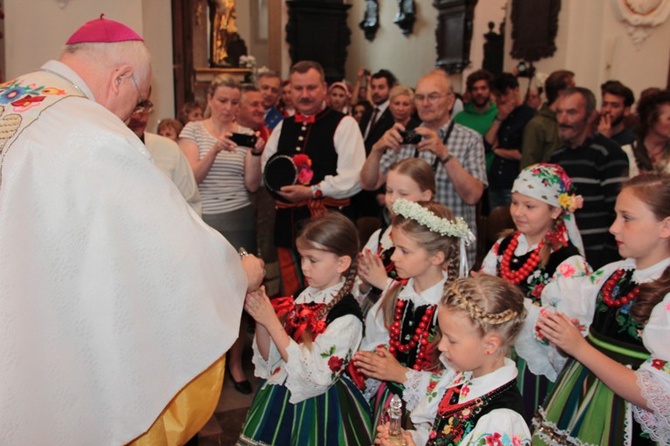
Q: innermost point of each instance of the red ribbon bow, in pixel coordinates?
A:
(304, 119)
(299, 317)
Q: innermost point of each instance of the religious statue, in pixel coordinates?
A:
(405, 16)
(370, 22)
(222, 17)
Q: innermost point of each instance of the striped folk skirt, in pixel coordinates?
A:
(338, 417)
(582, 410)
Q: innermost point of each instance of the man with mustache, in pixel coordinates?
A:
(597, 167)
(617, 100)
(332, 144)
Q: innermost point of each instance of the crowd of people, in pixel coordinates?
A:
(128, 257)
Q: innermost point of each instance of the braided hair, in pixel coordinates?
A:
(493, 305)
(336, 234)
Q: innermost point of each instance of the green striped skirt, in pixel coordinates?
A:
(340, 416)
(582, 410)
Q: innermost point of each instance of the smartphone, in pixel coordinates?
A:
(244, 140)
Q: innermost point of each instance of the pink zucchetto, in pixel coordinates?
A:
(103, 30)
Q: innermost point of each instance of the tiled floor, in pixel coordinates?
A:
(224, 427)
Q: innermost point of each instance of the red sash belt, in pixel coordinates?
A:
(318, 207)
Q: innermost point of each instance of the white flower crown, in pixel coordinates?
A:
(443, 226)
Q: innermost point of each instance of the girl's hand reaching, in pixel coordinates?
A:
(371, 269)
(258, 305)
(380, 365)
(561, 331)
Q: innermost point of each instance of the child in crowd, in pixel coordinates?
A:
(412, 179)
(546, 246)
(191, 111)
(303, 345)
(170, 128)
(429, 247)
(475, 400)
(616, 388)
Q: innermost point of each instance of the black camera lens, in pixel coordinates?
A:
(410, 137)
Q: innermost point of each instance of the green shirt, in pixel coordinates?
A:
(540, 137)
(479, 122)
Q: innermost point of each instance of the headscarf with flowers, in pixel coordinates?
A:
(549, 183)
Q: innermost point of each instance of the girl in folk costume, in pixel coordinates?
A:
(615, 389)
(303, 345)
(400, 327)
(546, 246)
(412, 179)
(475, 400)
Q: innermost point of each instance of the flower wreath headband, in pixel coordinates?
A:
(443, 226)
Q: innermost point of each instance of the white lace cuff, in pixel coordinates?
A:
(415, 388)
(656, 391)
(371, 387)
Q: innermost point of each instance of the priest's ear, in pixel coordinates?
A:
(121, 74)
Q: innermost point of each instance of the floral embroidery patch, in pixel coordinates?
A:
(498, 439)
(24, 97)
(336, 364)
(661, 365)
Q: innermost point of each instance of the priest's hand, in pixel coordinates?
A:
(255, 269)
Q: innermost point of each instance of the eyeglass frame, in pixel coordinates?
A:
(431, 97)
(143, 105)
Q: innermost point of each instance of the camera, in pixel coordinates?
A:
(410, 137)
(244, 140)
(366, 72)
(525, 69)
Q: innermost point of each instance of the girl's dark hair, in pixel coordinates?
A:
(648, 110)
(431, 242)
(653, 189)
(336, 234)
(492, 304)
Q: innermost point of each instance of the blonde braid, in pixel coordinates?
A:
(476, 312)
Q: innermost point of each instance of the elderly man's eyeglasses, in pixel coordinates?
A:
(144, 106)
(431, 98)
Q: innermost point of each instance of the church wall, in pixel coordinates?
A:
(595, 44)
(37, 33)
(591, 41)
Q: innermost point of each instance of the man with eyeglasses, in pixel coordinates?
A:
(167, 155)
(118, 302)
(456, 153)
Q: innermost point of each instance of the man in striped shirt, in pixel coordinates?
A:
(597, 167)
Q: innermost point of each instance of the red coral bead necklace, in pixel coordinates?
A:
(608, 287)
(419, 338)
(516, 277)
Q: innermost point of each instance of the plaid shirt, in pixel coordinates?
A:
(467, 147)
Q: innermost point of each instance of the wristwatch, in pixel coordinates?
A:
(242, 252)
(446, 159)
